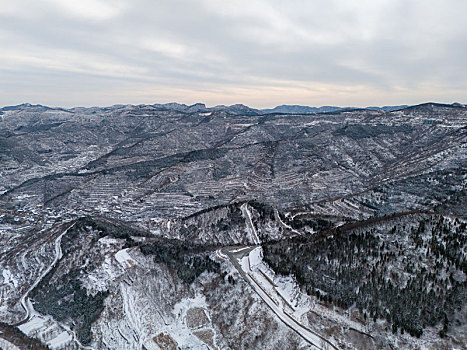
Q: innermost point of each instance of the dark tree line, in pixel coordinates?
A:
(66, 298)
(405, 274)
(187, 260)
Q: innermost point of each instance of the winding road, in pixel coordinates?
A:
(251, 227)
(313, 338)
(235, 254)
(27, 304)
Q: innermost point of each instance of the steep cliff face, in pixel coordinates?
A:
(139, 227)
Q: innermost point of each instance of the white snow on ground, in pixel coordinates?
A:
(178, 330)
(236, 250)
(124, 258)
(47, 329)
(142, 321)
(101, 278)
(182, 306)
(109, 241)
(220, 255)
(183, 336)
(5, 345)
(136, 323)
(288, 291)
(256, 257)
(36, 322)
(51, 332)
(283, 297)
(60, 340)
(283, 224)
(249, 223)
(288, 288)
(25, 302)
(8, 278)
(150, 345)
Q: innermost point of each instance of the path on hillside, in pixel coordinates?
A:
(313, 338)
(29, 308)
(25, 302)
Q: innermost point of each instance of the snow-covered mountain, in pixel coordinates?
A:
(174, 226)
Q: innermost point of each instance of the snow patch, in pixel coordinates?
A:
(283, 296)
(182, 306)
(6, 345)
(8, 278)
(109, 241)
(125, 259)
(256, 257)
(60, 340)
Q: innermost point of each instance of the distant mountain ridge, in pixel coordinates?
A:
(297, 109)
(236, 109)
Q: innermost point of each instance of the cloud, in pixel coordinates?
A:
(216, 51)
(98, 10)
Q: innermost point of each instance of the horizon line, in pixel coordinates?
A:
(235, 104)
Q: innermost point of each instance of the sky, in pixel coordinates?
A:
(259, 53)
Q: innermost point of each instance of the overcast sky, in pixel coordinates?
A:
(260, 53)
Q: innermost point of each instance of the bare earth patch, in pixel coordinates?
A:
(362, 341)
(196, 318)
(206, 335)
(165, 342)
